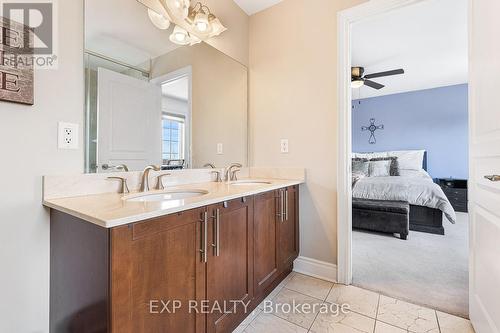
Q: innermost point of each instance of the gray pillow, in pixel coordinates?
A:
(380, 168)
(360, 166)
(394, 171)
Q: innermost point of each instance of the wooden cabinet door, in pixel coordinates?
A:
(154, 261)
(288, 249)
(266, 262)
(230, 262)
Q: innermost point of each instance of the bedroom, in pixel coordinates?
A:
(410, 154)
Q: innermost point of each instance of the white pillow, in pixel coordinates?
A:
(369, 156)
(409, 159)
(380, 169)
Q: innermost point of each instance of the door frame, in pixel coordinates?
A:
(345, 20)
(172, 76)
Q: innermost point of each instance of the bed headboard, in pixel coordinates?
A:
(424, 166)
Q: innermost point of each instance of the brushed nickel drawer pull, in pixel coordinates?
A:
(286, 205)
(216, 245)
(204, 239)
(282, 195)
(493, 178)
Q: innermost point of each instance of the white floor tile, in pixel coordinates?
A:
(452, 324)
(381, 327)
(265, 323)
(343, 323)
(310, 286)
(299, 309)
(359, 300)
(407, 316)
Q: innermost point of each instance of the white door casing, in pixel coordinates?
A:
(484, 157)
(484, 201)
(345, 20)
(129, 121)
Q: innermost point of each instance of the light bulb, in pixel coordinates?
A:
(158, 20)
(357, 84)
(217, 27)
(179, 7)
(201, 22)
(179, 36)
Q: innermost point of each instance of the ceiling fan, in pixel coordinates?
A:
(358, 80)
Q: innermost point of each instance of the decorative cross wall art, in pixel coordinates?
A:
(372, 128)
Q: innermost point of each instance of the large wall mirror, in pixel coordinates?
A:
(150, 101)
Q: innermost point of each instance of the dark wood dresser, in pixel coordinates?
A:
(456, 191)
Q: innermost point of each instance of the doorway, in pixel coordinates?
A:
(347, 20)
(176, 107)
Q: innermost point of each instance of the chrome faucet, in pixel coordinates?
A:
(229, 175)
(210, 165)
(145, 177)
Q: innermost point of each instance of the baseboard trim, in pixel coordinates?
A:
(316, 268)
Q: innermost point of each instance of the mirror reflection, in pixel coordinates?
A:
(153, 102)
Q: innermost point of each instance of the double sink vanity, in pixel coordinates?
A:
(119, 262)
(165, 244)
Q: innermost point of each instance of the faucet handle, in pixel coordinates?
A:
(123, 181)
(234, 174)
(159, 183)
(218, 178)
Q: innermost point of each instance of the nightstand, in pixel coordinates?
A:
(456, 191)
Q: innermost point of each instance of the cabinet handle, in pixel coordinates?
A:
(216, 245)
(204, 238)
(282, 205)
(286, 204)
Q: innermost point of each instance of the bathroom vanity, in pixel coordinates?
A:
(115, 268)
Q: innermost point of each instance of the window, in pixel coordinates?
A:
(173, 138)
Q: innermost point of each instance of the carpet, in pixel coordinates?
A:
(426, 269)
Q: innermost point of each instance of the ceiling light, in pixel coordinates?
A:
(357, 84)
(179, 7)
(194, 40)
(159, 21)
(180, 36)
(194, 24)
(217, 27)
(201, 22)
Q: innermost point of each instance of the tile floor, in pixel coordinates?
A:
(369, 312)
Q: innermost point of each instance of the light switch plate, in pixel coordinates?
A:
(220, 149)
(284, 146)
(67, 137)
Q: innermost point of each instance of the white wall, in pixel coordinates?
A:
(293, 84)
(28, 142)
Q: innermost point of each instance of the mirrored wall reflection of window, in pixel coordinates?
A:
(173, 147)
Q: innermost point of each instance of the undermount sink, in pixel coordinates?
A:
(167, 196)
(248, 182)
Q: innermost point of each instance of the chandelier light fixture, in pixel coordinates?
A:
(192, 24)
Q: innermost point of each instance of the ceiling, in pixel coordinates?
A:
(254, 6)
(428, 40)
(114, 28)
(178, 89)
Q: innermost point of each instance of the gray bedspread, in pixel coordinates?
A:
(416, 188)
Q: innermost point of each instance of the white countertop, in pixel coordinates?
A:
(109, 210)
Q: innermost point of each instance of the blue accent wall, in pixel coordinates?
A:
(435, 120)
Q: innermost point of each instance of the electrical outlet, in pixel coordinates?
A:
(220, 149)
(67, 137)
(284, 146)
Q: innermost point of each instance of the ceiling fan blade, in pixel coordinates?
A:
(388, 73)
(373, 84)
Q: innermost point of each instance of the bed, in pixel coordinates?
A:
(427, 200)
